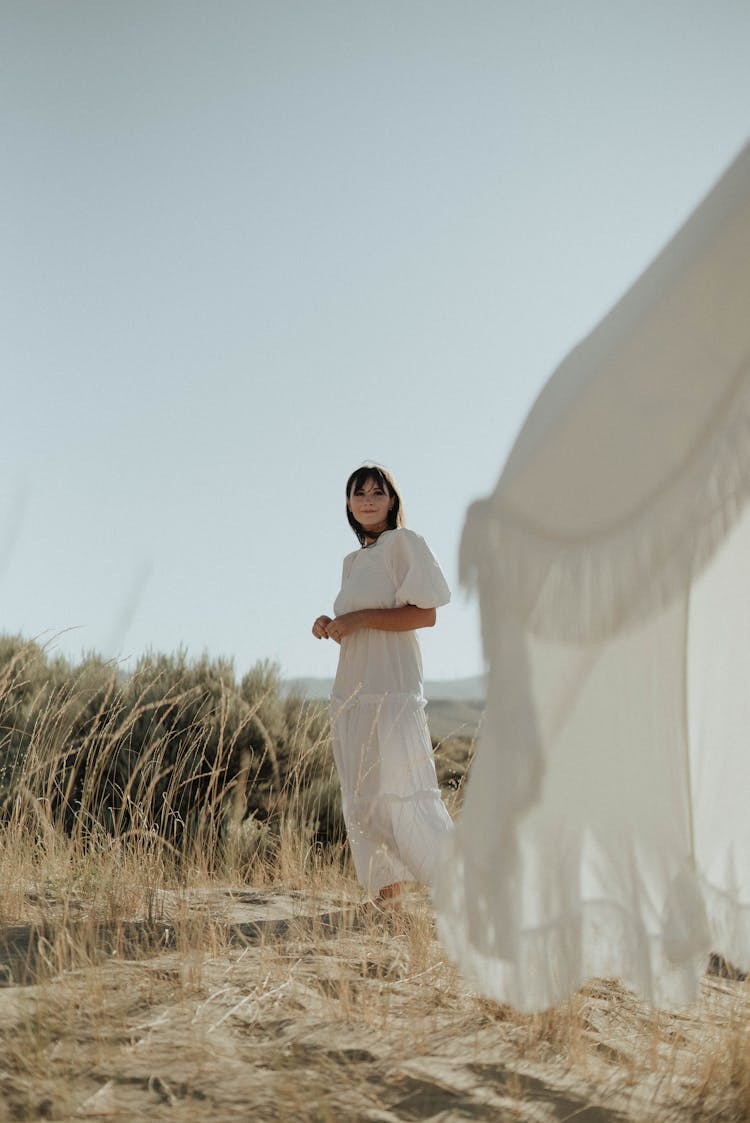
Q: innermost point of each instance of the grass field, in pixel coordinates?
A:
(231, 969)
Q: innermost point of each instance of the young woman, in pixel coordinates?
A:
(391, 586)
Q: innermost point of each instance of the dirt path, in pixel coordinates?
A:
(280, 1005)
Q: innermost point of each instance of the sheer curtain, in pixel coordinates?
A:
(604, 830)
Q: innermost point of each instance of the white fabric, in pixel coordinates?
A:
(605, 830)
(394, 815)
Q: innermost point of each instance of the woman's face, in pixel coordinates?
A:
(370, 505)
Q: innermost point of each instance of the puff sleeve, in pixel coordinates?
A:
(415, 572)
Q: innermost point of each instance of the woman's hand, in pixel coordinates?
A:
(320, 627)
(344, 625)
(326, 628)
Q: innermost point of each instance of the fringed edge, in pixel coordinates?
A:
(585, 589)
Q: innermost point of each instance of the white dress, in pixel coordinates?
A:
(394, 815)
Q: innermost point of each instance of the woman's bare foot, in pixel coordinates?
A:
(388, 896)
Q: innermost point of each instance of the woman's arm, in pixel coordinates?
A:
(405, 618)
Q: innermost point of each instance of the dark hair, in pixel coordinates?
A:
(383, 479)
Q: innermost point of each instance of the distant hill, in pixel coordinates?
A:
(472, 689)
(454, 709)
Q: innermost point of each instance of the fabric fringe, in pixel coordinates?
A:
(599, 940)
(586, 589)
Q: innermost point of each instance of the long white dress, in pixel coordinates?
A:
(394, 815)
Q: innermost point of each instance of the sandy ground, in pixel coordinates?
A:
(285, 1005)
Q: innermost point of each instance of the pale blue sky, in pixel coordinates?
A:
(246, 246)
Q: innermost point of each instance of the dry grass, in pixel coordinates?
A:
(282, 1004)
(241, 977)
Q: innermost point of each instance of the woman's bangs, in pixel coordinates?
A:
(363, 475)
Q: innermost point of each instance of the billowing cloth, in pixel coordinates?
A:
(394, 814)
(605, 830)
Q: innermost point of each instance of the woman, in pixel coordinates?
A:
(391, 586)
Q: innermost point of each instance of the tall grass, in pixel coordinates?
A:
(123, 799)
(177, 764)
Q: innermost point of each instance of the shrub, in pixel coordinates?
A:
(177, 747)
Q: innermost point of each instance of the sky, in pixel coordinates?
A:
(246, 246)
